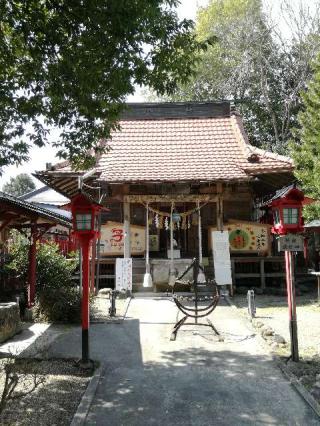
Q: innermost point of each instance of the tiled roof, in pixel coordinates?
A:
(52, 214)
(170, 150)
(45, 196)
(183, 149)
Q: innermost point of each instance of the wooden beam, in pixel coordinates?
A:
(126, 229)
(262, 275)
(9, 216)
(219, 211)
(219, 188)
(12, 208)
(193, 198)
(67, 184)
(5, 224)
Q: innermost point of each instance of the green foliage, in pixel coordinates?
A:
(253, 65)
(305, 150)
(57, 299)
(310, 212)
(71, 64)
(19, 185)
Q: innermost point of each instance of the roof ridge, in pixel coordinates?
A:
(175, 110)
(240, 134)
(33, 192)
(271, 154)
(251, 149)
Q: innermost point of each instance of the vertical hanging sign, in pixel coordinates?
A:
(124, 274)
(221, 257)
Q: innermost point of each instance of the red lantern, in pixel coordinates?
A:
(85, 216)
(287, 212)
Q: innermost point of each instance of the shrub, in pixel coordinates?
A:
(57, 298)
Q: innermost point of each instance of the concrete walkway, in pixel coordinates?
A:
(196, 380)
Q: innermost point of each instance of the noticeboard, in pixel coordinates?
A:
(221, 257)
(248, 237)
(123, 274)
(290, 242)
(112, 239)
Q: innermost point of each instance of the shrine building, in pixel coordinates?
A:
(175, 172)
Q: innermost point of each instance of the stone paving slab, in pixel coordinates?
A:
(195, 380)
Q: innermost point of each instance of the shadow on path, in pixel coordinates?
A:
(198, 387)
(195, 380)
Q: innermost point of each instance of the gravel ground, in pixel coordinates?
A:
(49, 390)
(100, 310)
(273, 311)
(52, 390)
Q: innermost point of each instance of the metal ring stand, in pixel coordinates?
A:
(203, 292)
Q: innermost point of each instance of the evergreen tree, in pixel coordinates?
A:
(19, 185)
(255, 65)
(305, 150)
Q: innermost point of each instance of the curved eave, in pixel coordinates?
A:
(29, 211)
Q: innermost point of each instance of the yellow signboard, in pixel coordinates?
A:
(248, 237)
(112, 239)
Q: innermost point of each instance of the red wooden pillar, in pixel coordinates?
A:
(32, 266)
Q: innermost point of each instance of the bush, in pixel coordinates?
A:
(57, 298)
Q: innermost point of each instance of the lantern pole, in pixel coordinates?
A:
(80, 268)
(293, 311)
(172, 275)
(32, 266)
(97, 277)
(85, 243)
(201, 276)
(147, 279)
(288, 223)
(292, 305)
(199, 233)
(82, 210)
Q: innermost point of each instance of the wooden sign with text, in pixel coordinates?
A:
(247, 237)
(290, 242)
(112, 239)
